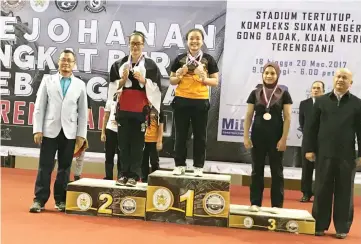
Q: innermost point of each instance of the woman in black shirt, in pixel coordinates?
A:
(193, 72)
(138, 79)
(268, 102)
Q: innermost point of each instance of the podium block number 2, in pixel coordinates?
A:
(189, 198)
(104, 208)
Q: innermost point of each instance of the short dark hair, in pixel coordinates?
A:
(68, 51)
(137, 33)
(196, 30)
(319, 81)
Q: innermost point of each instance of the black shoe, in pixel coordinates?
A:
(319, 233)
(36, 207)
(306, 198)
(341, 235)
(122, 181)
(60, 206)
(131, 182)
(107, 178)
(76, 177)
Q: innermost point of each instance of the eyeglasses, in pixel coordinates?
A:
(138, 44)
(66, 60)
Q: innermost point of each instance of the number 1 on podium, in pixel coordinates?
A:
(189, 198)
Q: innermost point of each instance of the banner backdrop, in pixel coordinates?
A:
(33, 33)
(308, 40)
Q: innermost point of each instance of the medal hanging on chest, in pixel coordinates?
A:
(267, 115)
(192, 62)
(143, 127)
(135, 68)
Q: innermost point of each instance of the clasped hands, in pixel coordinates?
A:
(136, 74)
(198, 71)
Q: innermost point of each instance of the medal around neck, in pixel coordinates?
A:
(267, 116)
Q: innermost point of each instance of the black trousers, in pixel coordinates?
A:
(334, 179)
(150, 153)
(111, 148)
(259, 153)
(184, 117)
(49, 146)
(130, 143)
(307, 173)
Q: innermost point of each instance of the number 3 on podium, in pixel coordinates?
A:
(272, 223)
(189, 197)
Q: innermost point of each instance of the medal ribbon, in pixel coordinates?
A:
(136, 64)
(190, 59)
(265, 96)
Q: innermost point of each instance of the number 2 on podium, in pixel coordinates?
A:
(103, 209)
(272, 223)
(189, 197)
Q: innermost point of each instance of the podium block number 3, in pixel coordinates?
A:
(272, 223)
(189, 198)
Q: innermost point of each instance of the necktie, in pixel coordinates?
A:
(65, 82)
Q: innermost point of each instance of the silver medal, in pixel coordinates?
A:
(143, 127)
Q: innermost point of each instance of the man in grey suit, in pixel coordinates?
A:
(60, 121)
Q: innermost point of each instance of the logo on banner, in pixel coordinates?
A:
(84, 201)
(95, 6)
(232, 127)
(248, 222)
(5, 134)
(214, 203)
(39, 5)
(292, 226)
(162, 199)
(66, 6)
(128, 205)
(10, 5)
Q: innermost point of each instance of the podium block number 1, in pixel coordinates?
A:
(189, 198)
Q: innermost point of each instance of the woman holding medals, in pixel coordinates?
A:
(267, 103)
(193, 72)
(139, 84)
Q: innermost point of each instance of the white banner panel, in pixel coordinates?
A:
(309, 40)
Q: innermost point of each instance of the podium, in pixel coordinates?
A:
(188, 199)
(184, 199)
(96, 197)
(272, 219)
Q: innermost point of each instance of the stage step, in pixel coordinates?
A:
(272, 219)
(97, 197)
(188, 199)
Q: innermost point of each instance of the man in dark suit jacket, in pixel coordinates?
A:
(318, 89)
(330, 143)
